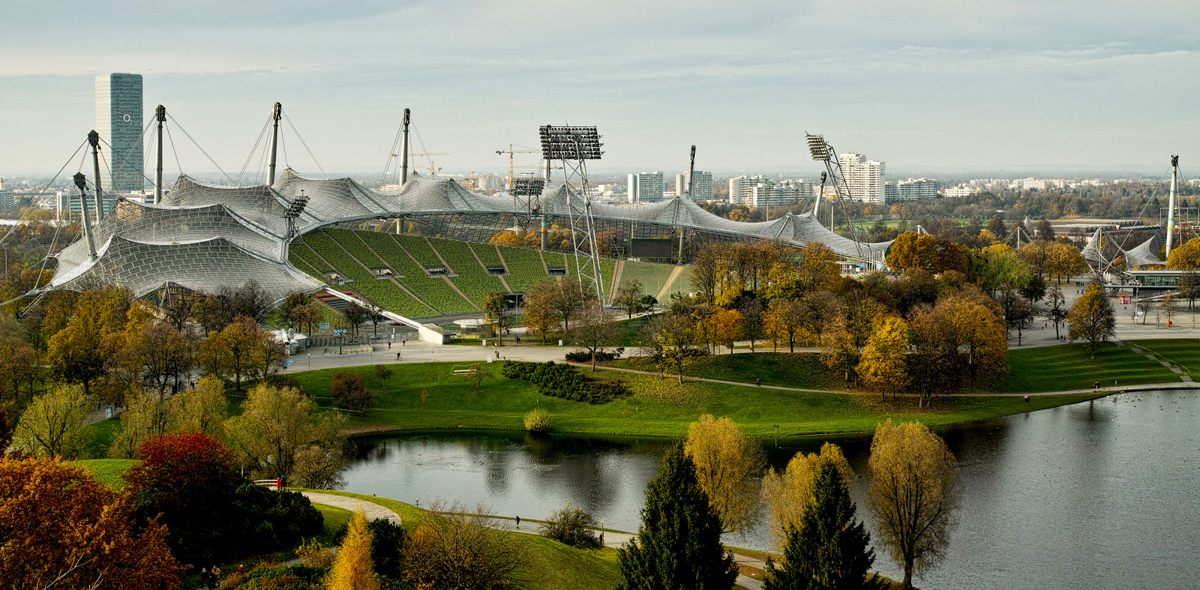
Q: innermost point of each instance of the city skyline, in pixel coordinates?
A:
(1011, 87)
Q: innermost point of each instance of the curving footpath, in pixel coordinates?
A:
(611, 538)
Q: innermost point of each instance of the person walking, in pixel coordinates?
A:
(518, 519)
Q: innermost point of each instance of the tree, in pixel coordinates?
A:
(18, 367)
(1091, 318)
(54, 424)
(202, 409)
(1056, 312)
(355, 315)
(593, 330)
(727, 326)
(832, 550)
(455, 547)
(147, 415)
(495, 314)
(64, 529)
(706, 273)
(752, 320)
(281, 432)
(728, 464)
(997, 227)
(882, 365)
(670, 341)
(567, 301)
(1185, 256)
(571, 526)
(306, 315)
(913, 493)
(1036, 253)
(540, 313)
(353, 569)
(210, 312)
(164, 354)
(1045, 231)
(629, 297)
(1189, 287)
(839, 351)
(1064, 260)
(349, 390)
(236, 351)
(789, 492)
(73, 352)
(1167, 305)
(913, 251)
(192, 483)
(960, 341)
(679, 542)
(784, 320)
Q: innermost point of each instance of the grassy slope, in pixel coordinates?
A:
(101, 436)
(1056, 368)
(335, 519)
(1184, 352)
(545, 564)
(108, 471)
(660, 407)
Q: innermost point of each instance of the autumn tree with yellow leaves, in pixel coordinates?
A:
(353, 568)
(728, 464)
(788, 492)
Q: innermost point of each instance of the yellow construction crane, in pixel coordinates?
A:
(510, 151)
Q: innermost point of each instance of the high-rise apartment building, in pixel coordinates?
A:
(864, 177)
(702, 185)
(119, 122)
(645, 187)
(741, 189)
(913, 189)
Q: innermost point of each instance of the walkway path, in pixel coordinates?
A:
(372, 510)
(611, 539)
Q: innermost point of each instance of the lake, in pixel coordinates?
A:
(1102, 494)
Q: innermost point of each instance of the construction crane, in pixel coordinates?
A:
(510, 151)
(433, 169)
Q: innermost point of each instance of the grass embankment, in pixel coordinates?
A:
(1069, 366)
(1184, 352)
(545, 564)
(107, 471)
(659, 407)
(335, 519)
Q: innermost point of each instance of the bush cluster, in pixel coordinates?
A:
(565, 381)
(349, 390)
(537, 421)
(572, 526)
(583, 356)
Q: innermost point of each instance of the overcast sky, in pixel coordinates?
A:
(934, 85)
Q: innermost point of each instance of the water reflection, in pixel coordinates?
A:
(1096, 495)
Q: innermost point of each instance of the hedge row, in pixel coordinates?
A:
(565, 381)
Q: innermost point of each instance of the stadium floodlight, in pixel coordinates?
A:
(525, 186)
(568, 142)
(817, 147)
(295, 208)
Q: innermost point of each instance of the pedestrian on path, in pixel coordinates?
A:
(518, 522)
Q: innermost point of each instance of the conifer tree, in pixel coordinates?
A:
(831, 551)
(679, 543)
(353, 570)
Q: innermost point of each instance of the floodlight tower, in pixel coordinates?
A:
(295, 208)
(574, 146)
(526, 193)
(821, 151)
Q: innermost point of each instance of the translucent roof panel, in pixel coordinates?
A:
(331, 200)
(200, 266)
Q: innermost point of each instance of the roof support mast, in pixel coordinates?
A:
(679, 226)
(276, 113)
(94, 140)
(404, 147)
(160, 115)
(81, 182)
(1171, 204)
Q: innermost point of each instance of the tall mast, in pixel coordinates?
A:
(276, 113)
(81, 182)
(1171, 204)
(160, 114)
(94, 139)
(404, 149)
(678, 204)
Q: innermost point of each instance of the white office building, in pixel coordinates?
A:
(645, 187)
(912, 189)
(864, 177)
(741, 189)
(702, 186)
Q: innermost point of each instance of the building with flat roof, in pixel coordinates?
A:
(119, 122)
(645, 187)
(913, 189)
(864, 177)
(702, 186)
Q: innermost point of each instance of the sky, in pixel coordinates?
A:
(951, 86)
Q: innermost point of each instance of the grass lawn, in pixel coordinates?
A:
(774, 368)
(335, 519)
(1184, 352)
(101, 436)
(1068, 366)
(659, 407)
(545, 564)
(108, 471)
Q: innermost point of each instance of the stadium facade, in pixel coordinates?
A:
(204, 238)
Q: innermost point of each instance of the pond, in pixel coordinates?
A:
(1102, 494)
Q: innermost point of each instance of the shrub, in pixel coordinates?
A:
(349, 390)
(280, 577)
(537, 420)
(383, 371)
(565, 381)
(571, 526)
(387, 546)
(312, 554)
(454, 547)
(583, 356)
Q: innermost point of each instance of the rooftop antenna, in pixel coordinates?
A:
(276, 114)
(81, 182)
(94, 140)
(160, 115)
(574, 146)
(1171, 204)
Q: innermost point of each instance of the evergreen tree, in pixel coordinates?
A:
(679, 543)
(831, 551)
